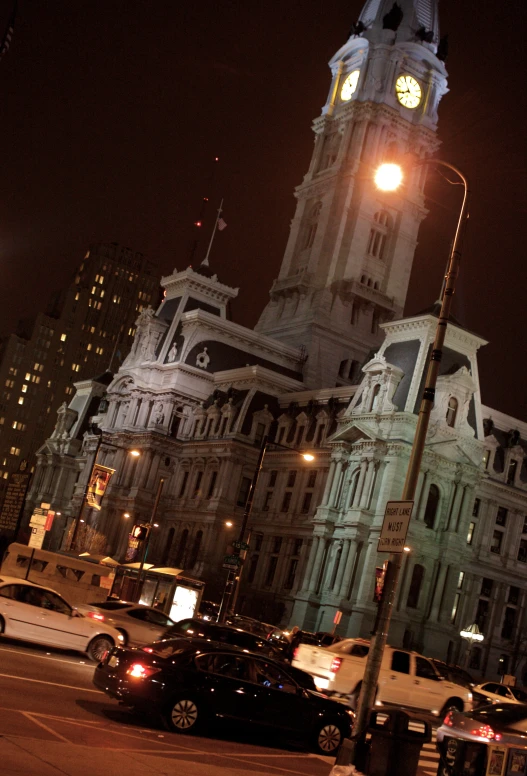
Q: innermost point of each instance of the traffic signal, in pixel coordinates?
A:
(140, 532)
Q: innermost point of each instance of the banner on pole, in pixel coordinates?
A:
(99, 480)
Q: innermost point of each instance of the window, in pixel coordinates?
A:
(195, 549)
(183, 485)
(286, 502)
(267, 501)
(76, 367)
(514, 595)
(24, 389)
(460, 580)
(501, 517)
(182, 547)
(432, 503)
(524, 529)
(272, 478)
(415, 586)
(311, 226)
(290, 579)
(212, 484)
(379, 234)
(497, 539)
(14, 451)
(311, 480)
(271, 676)
(260, 431)
(522, 551)
(252, 568)
(486, 458)
(342, 368)
(63, 337)
(244, 491)
(291, 479)
(451, 412)
(482, 613)
(511, 473)
(424, 669)
(10, 384)
(470, 534)
(455, 607)
(271, 570)
(475, 508)
(20, 399)
(197, 485)
(508, 623)
(486, 587)
(277, 544)
(306, 503)
(401, 662)
(258, 539)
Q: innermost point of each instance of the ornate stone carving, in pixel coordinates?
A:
(203, 359)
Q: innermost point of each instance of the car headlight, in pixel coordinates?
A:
(120, 637)
(470, 696)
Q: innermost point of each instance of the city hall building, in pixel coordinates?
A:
(333, 368)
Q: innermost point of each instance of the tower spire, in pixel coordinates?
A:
(419, 22)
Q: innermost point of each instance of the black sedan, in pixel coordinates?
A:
(227, 634)
(190, 682)
(491, 739)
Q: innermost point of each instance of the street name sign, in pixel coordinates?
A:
(395, 526)
(240, 545)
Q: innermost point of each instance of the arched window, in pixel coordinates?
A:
(182, 547)
(168, 545)
(415, 586)
(432, 502)
(311, 225)
(195, 549)
(374, 397)
(451, 412)
(379, 232)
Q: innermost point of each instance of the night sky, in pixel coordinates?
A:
(113, 110)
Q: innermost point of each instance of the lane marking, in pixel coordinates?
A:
(28, 715)
(53, 684)
(46, 657)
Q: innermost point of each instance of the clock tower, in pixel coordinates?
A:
(349, 255)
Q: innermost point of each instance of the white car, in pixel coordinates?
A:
(500, 693)
(34, 613)
(138, 624)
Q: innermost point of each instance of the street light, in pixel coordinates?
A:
(100, 441)
(232, 584)
(389, 177)
(472, 635)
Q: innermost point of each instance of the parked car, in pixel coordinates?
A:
(454, 674)
(189, 682)
(490, 739)
(493, 692)
(227, 634)
(136, 623)
(405, 679)
(35, 613)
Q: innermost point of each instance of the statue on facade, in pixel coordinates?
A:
(159, 415)
(172, 354)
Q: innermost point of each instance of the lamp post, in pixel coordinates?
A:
(100, 442)
(472, 635)
(232, 585)
(389, 177)
(139, 583)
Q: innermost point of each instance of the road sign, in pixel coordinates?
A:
(231, 567)
(38, 520)
(232, 560)
(37, 537)
(240, 545)
(395, 526)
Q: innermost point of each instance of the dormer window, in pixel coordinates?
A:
(382, 224)
(451, 412)
(374, 397)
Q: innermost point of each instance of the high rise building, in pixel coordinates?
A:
(331, 368)
(87, 328)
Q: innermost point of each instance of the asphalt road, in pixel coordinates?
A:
(53, 722)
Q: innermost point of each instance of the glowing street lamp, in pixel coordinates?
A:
(472, 635)
(388, 177)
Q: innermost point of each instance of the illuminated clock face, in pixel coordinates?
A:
(349, 86)
(408, 91)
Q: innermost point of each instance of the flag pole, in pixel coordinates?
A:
(205, 262)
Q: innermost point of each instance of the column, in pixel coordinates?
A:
(335, 484)
(456, 492)
(438, 592)
(370, 471)
(143, 414)
(462, 503)
(310, 563)
(360, 484)
(331, 556)
(343, 565)
(422, 482)
(329, 482)
(132, 410)
(318, 564)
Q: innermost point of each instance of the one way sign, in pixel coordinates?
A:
(395, 526)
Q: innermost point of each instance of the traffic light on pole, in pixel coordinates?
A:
(140, 532)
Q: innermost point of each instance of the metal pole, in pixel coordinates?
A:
(379, 637)
(230, 594)
(139, 583)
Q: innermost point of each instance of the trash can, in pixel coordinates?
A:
(460, 756)
(396, 742)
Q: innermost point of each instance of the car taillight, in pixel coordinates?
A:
(295, 653)
(139, 671)
(147, 649)
(485, 731)
(96, 616)
(448, 720)
(335, 664)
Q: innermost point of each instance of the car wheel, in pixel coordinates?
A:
(456, 704)
(183, 715)
(328, 737)
(353, 697)
(124, 634)
(99, 647)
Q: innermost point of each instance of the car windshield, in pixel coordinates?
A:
(519, 694)
(503, 715)
(110, 605)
